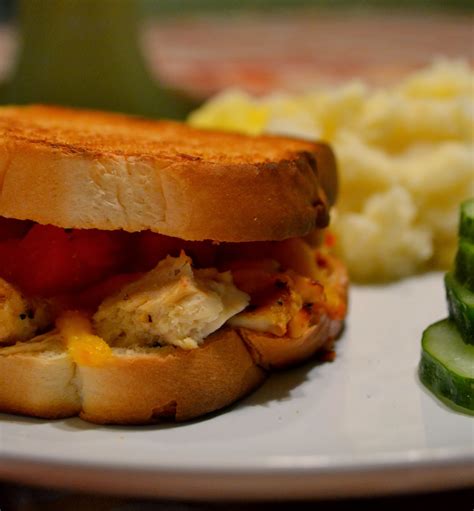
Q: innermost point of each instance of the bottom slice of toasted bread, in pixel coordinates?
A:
(135, 386)
(152, 384)
(38, 378)
(146, 385)
(273, 352)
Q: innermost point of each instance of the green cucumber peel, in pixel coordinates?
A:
(461, 307)
(464, 264)
(466, 221)
(447, 365)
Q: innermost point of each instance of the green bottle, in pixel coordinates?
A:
(85, 53)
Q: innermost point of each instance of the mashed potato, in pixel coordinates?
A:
(406, 160)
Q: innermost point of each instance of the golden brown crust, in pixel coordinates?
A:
(134, 387)
(144, 388)
(271, 352)
(107, 171)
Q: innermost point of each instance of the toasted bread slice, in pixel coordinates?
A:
(143, 386)
(37, 378)
(136, 386)
(109, 171)
(169, 383)
(272, 352)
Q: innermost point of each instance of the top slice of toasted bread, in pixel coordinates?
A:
(87, 169)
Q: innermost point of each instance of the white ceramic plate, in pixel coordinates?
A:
(360, 425)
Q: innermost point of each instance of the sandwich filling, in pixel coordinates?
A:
(171, 304)
(102, 289)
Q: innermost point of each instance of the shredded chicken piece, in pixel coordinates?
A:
(172, 304)
(20, 317)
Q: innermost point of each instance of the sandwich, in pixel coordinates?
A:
(152, 271)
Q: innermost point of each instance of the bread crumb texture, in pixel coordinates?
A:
(405, 155)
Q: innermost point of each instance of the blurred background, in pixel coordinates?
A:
(87, 52)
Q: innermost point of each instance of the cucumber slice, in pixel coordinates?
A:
(461, 307)
(447, 365)
(464, 264)
(466, 223)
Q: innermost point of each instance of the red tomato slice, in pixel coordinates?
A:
(8, 259)
(11, 228)
(203, 253)
(52, 261)
(152, 247)
(92, 297)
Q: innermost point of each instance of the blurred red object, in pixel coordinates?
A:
(294, 51)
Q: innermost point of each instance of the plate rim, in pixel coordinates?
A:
(346, 473)
(377, 478)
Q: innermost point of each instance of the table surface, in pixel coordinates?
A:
(20, 498)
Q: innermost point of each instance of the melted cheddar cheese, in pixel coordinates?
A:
(83, 346)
